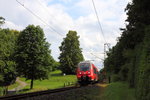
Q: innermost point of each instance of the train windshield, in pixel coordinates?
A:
(84, 66)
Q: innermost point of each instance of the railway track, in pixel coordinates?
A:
(33, 94)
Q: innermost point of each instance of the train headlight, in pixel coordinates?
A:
(79, 72)
(88, 72)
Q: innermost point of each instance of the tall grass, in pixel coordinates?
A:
(119, 91)
(1, 91)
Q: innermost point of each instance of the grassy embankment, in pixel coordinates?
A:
(56, 80)
(119, 91)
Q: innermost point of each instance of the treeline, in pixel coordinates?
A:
(129, 59)
(24, 54)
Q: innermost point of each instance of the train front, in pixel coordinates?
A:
(84, 73)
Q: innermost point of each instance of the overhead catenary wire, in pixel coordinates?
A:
(39, 18)
(97, 56)
(45, 9)
(99, 23)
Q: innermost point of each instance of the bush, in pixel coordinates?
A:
(115, 78)
(102, 75)
(124, 72)
(1, 91)
(143, 83)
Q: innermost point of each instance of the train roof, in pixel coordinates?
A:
(86, 62)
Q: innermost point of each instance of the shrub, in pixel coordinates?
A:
(115, 78)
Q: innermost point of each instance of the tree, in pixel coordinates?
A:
(7, 64)
(55, 66)
(71, 53)
(33, 55)
(143, 72)
(133, 46)
(2, 21)
(138, 18)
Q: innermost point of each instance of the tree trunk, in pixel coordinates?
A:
(109, 79)
(31, 85)
(32, 78)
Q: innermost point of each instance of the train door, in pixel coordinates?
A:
(94, 70)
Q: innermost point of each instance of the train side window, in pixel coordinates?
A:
(95, 71)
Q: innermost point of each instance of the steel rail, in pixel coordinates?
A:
(33, 94)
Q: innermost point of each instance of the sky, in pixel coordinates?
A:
(57, 17)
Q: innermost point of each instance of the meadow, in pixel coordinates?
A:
(56, 80)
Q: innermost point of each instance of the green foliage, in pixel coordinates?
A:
(1, 91)
(123, 74)
(115, 77)
(7, 63)
(55, 66)
(115, 59)
(2, 21)
(15, 85)
(131, 54)
(102, 75)
(33, 55)
(143, 82)
(71, 53)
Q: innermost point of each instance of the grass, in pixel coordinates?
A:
(13, 86)
(119, 91)
(56, 80)
(1, 91)
(9, 88)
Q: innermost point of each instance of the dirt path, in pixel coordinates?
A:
(18, 88)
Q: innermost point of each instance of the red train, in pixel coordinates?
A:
(87, 72)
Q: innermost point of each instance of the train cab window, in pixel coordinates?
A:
(84, 66)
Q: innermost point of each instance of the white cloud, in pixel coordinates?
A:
(11, 25)
(66, 1)
(79, 16)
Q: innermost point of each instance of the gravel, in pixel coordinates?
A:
(83, 93)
